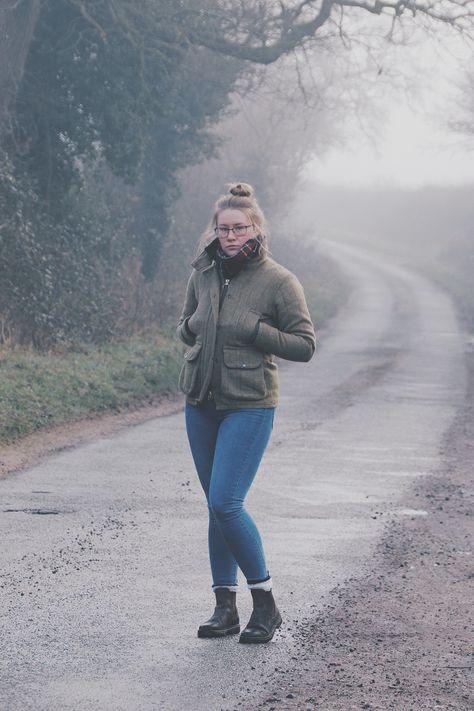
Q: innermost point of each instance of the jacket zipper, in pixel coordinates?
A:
(224, 288)
(223, 292)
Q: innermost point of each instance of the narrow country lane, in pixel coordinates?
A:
(104, 571)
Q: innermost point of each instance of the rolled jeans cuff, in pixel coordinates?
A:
(233, 588)
(264, 585)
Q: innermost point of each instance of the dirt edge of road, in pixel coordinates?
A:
(401, 636)
(29, 450)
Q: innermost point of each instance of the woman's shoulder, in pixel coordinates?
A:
(278, 272)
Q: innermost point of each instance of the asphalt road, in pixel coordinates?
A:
(104, 571)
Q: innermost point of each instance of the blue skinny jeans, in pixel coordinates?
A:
(227, 447)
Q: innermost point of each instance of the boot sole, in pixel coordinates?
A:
(259, 640)
(208, 633)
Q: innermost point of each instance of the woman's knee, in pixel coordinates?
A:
(224, 508)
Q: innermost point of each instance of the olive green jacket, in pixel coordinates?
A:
(235, 330)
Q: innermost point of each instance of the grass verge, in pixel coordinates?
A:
(40, 390)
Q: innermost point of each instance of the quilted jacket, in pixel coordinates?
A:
(235, 328)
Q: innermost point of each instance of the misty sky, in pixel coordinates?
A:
(414, 144)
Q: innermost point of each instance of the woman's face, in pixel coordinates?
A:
(232, 240)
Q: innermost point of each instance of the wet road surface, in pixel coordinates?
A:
(104, 570)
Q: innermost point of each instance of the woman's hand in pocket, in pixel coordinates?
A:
(248, 326)
(197, 320)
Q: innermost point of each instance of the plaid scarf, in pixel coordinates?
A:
(231, 265)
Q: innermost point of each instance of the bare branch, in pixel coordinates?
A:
(288, 37)
(266, 32)
(262, 31)
(448, 11)
(346, 41)
(80, 4)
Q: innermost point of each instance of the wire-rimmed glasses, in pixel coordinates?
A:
(238, 230)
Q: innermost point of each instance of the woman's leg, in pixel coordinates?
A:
(241, 441)
(202, 426)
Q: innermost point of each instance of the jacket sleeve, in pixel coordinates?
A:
(293, 338)
(189, 307)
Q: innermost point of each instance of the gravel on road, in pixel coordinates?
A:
(400, 637)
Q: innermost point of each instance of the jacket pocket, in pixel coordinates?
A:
(188, 376)
(242, 374)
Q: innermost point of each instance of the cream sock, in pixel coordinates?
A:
(234, 588)
(265, 585)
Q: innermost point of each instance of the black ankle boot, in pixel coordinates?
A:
(225, 619)
(264, 620)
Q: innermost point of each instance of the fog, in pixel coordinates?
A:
(403, 184)
(413, 150)
(414, 143)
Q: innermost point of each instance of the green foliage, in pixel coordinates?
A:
(41, 390)
(85, 94)
(57, 276)
(111, 104)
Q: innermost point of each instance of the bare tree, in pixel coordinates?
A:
(261, 31)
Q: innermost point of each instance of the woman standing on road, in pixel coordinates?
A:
(241, 309)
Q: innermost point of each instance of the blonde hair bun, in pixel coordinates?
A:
(240, 197)
(241, 189)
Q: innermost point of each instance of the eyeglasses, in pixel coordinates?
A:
(238, 231)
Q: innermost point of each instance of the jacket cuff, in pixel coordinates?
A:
(290, 346)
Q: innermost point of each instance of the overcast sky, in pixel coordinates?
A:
(415, 146)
